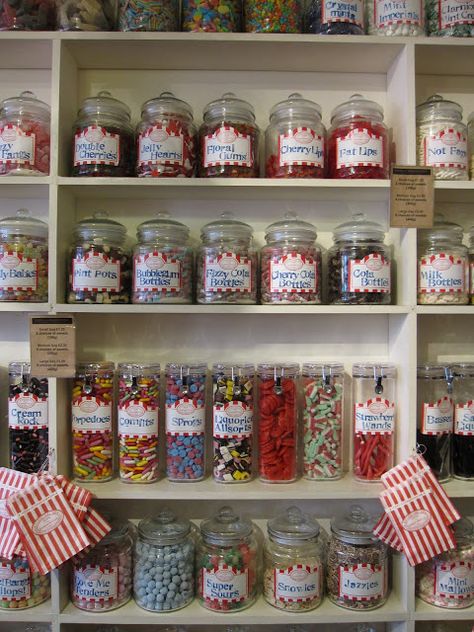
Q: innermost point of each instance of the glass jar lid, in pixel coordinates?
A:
(165, 528)
(442, 230)
(162, 228)
(322, 369)
(100, 226)
(184, 370)
(226, 228)
(355, 527)
(104, 105)
(293, 527)
(167, 105)
(120, 529)
(357, 107)
(464, 532)
(431, 371)
(87, 368)
(226, 527)
(229, 107)
(138, 370)
(26, 103)
(19, 368)
(295, 107)
(291, 228)
(359, 229)
(374, 370)
(22, 223)
(278, 370)
(437, 107)
(232, 369)
(463, 369)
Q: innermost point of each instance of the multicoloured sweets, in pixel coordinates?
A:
(20, 587)
(149, 15)
(391, 19)
(86, 15)
(326, 17)
(31, 15)
(214, 16)
(273, 16)
(448, 18)
(463, 431)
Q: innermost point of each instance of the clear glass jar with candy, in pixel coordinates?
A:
(75, 15)
(358, 142)
(162, 262)
(470, 145)
(23, 259)
(323, 420)
(224, 16)
(227, 563)
(275, 16)
(164, 563)
(325, 17)
(278, 421)
(295, 140)
(441, 138)
(291, 267)
(21, 587)
(463, 431)
(38, 15)
(25, 123)
(185, 421)
(150, 15)
(233, 422)
(104, 140)
(446, 18)
(294, 560)
(471, 264)
(229, 139)
(100, 264)
(92, 421)
(406, 18)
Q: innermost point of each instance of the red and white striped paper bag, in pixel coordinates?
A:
(78, 497)
(385, 531)
(10, 483)
(95, 526)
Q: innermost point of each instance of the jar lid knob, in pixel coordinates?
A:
(229, 95)
(291, 215)
(162, 215)
(227, 215)
(358, 217)
(100, 215)
(435, 98)
(166, 516)
(28, 94)
(23, 213)
(166, 94)
(358, 515)
(104, 93)
(295, 95)
(294, 515)
(226, 514)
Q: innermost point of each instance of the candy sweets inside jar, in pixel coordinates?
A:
(32, 15)
(463, 432)
(224, 16)
(273, 16)
(86, 15)
(21, 587)
(404, 19)
(149, 15)
(449, 19)
(325, 17)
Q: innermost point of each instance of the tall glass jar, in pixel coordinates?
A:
(357, 564)
(463, 432)
(435, 418)
(229, 139)
(222, 17)
(325, 17)
(164, 563)
(166, 139)
(294, 558)
(359, 264)
(100, 265)
(226, 563)
(405, 18)
(274, 16)
(103, 138)
(38, 15)
(471, 264)
(446, 18)
(74, 15)
(23, 258)
(162, 262)
(278, 422)
(323, 420)
(442, 138)
(150, 15)
(21, 587)
(227, 263)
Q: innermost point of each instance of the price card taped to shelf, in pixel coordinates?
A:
(53, 346)
(412, 197)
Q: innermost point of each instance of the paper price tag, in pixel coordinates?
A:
(412, 197)
(53, 346)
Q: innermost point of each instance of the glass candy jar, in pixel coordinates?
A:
(224, 16)
(446, 18)
(151, 15)
(21, 587)
(471, 265)
(325, 17)
(405, 18)
(463, 432)
(75, 15)
(274, 16)
(37, 15)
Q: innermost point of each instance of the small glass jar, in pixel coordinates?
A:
(74, 15)
(441, 138)
(291, 267)
(25, 123)
(359, 264)
(227, 263)
(100, 265)
(233, 422)
(162, 262)
(443, 265)
(358, 143)
(150, 15)
(21, 587)
(325, 17)
(222, 17)
(323, 421)
(23, 259)
(226, 563)
(92, 421)
(185, 421)
(435, 418)
(278, 422)
(446, 18)
(294, 562)
(357, 564)
(103, 138)
(37, 15)
(295, 140)
(463, 432)
(164, 563)
(447, 580)
(166, 139)
(406, 18)
(275, 16)
(102, 578)
(229, 139)
(471, 265)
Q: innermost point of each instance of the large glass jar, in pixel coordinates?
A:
(294, 558)
(295, 140)
(23, 258)
(405, 18)
(470, 145)
(21, 587)
(359, 264)
(443, 265)
(463, 433)
(471, 264)
(226, 563)
(358, 143)
(273, 16)
(150, 15)
(36, 15)
(162, 262)
(164, 563)
(441, 138)
(100, 265)
(357, 564)
(25, 132)
(103, 138)
(224, 16)
(326, 17)
(448, 18)
(75, 15)
(229, 139)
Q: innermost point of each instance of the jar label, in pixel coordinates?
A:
(390, 12)
(160, 146)
(370, 274)
(96, 273)
(437, 417)
(464, 419)
(156, 272)
(185, 417)
(454, 580)
(471, 276)
(90, 414)
(27, 412)
(294, 273)
(227, 147)
(233, 419)
(137, 419)
(361, 582)
(360, 148)
(16, 146)
(296, 584)
(446, 148)
(228, 272)
(454, 12)
(96, 146)
(94, 583)
(442, 274)
(301, 146)
(375, 416)
(225, 584)
(15, 583)
(18, 272)
(349, 12)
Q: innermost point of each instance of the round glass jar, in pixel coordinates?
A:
(323, 421)
(75, 15)
(359, 264)
(226, 563)
(150, 15)
(23, 259)
(443, 265)
(166, 139)
(25, 123)
(92, 421)
(441, 138)
(229, 139)
(36, 15)
(227, 263)
(471, 264)
(357, 563)
(358, 143)
(446, 18)
(463, 432)
(405, 18)
(21, 587)
(224, 16)
(162, 262)
(293, 562)
(103, 138)
(274, 16)
(164, 563)
(100, 265)
(325, 17)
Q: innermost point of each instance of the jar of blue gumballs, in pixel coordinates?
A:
(164, 563)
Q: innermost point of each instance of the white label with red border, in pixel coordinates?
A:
(454, 580)
(301, 146)
(156, 272)
(361, 582)
(228, 272)
(297, 584)
(360, 148)
(137, 419)
(370, 274)
(232, 419)
(27, 412)
(185, 417)
(227, 147)
(396, 12)
(160, 146)
(437, 417)
(294, 273)
(464, 419)
(16, 146)
(225, 584)
(446, 148)
(15, 583)
(455, 12)
(18, 272)
(96, 146)
(349, 12)
(90, 414)
(95, 584)
(375, 416)
(442, 274)
(96, 272)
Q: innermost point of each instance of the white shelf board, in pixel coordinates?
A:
(459, 489)
(38, 614)
(445, 310)
(24, 307)
(27, 187)
(426, 612)
(460, 191)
